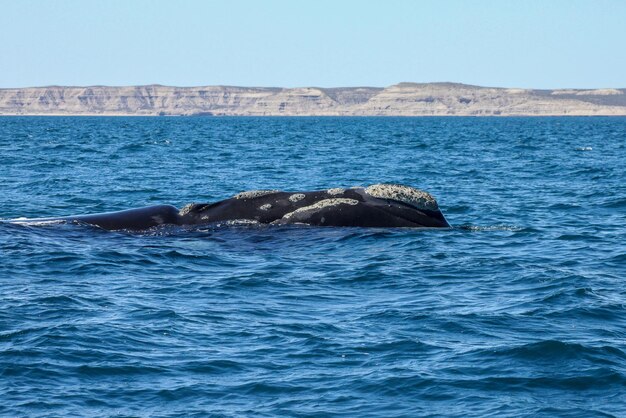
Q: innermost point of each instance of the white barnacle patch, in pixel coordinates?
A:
(320, 205)
(242, 222)
(186, 209)
(336, 191)
(266, 206)
(405, 194)
(296, 197)
(251, 194)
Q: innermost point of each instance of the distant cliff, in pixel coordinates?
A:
(404, 99)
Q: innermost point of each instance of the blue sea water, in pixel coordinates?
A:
(518, 310)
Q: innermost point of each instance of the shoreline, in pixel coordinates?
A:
(399, 100)
(528, 116)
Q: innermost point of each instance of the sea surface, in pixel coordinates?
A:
(518, 310)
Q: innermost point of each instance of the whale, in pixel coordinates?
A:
(378, 205)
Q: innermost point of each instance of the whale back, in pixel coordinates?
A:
(131, 219)
(368, 207)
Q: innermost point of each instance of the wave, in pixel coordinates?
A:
(491, 228)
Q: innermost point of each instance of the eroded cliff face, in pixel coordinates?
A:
(404, 99)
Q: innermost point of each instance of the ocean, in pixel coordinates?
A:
(519, 309)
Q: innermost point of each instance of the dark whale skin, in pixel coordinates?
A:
(354, 207)
(131, 219)
(368, 212)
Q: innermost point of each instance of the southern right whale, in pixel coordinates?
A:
(379, 205)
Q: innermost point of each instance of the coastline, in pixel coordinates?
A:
(282, 116)
(404, 99)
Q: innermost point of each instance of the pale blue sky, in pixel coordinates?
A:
(540, 44)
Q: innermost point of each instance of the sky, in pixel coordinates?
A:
(527, 44)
